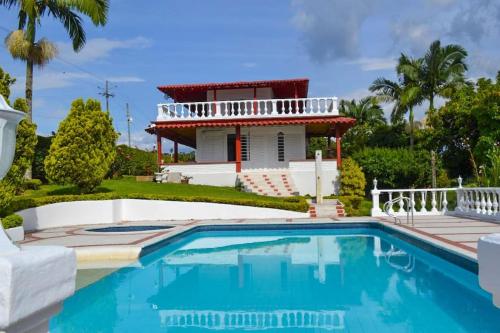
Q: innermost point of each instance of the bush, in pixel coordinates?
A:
(352, 179)
(83, 149)
(395, 168)
(298, 204)
(32, 184)
(355, 205)
(12, 221)
(133, 162)
(41, 151)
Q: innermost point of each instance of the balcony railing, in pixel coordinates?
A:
(244, 109)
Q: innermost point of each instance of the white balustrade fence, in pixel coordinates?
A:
(483, 202)
(243, 109)
(476, 202)
(425, 201)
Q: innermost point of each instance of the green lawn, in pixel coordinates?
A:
(128, 187)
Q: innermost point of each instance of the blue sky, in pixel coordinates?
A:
(341, 45)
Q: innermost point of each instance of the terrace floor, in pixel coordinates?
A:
(457, 234)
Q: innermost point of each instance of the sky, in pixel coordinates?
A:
(340, 45)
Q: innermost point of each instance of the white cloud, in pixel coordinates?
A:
(374, 64)
(249, 64)
(100, 48)
(125, 79)
(46, 79)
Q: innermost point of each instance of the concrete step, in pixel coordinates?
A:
(277, 184)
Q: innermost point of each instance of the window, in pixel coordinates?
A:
(231, 147)
(281, 147)
(245, 148)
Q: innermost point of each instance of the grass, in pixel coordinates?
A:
(128, 187)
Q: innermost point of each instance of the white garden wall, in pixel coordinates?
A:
(112, 211)
(304, 176)
(215, 174)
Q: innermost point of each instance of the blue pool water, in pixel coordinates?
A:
(350, 280)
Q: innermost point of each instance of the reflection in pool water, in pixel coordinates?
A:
(355, 280)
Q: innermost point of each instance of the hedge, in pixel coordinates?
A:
(12, 221)
(297, 204)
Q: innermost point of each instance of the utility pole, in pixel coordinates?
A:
(129, 120)
(106, 92)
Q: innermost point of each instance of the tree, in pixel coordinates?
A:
(369, 116)
(22, 43)
(467, 128)
(26, 140)
(83, 148)
(406, 93)
(366, 111)
(352, 179)
(442, 71)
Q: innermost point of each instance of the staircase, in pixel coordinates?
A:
(275, 184)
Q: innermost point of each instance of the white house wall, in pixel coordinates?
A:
(215, 174)
(211, 145)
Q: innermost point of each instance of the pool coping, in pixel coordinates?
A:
(441, 249)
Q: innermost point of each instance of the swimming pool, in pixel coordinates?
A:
(322, 280)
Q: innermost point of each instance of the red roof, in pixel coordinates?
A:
(197, 92)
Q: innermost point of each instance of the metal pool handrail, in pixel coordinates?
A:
(388, 205)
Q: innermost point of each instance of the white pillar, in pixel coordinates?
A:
(376, 211)
(319, 177)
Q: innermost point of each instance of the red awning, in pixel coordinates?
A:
(197, 92)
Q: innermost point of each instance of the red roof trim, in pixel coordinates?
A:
(255, 122)
(197, 92)
(237, 84)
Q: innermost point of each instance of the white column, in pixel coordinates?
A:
(319, 178)
(376, 211)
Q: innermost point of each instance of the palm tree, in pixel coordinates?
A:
(22, 43)
(366, 112)
(442, 71)
(406, 93)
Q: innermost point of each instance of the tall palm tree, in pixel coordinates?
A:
(22, 43)
(442, 71)
(406, 93)
(366, 111)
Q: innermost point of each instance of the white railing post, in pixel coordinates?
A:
(376, 211)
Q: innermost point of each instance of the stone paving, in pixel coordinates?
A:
(457, 234)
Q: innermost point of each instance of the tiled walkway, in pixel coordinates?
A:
(458, 234)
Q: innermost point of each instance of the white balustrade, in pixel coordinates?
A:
(438, 203)
(242, 109)
(476, 202)
(479, 202)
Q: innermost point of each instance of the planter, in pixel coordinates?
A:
(15, 234)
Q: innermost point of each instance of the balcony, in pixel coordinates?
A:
(248, 109)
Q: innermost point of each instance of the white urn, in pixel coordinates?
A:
(34, 280)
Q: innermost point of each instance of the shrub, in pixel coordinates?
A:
(12, 221)
(41, 151)
(32, 184)
(83, 149)
(25, 149)
(395, 168)
(352, 179)
(133, 162)
(298, 204)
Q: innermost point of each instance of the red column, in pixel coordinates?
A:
(176, 152)
(238, 149)
(338, 141)
(158, 147)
